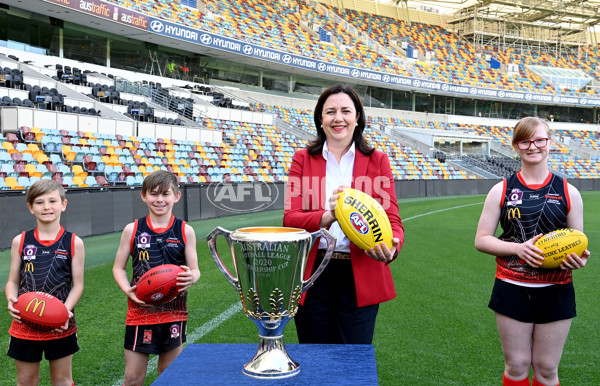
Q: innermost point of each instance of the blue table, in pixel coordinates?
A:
(221, 364)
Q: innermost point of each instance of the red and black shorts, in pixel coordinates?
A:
(155, 338)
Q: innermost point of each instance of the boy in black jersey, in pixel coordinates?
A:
(156, 239)
(47, 259)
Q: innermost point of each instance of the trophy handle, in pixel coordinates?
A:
(212, 247)
(330, 247)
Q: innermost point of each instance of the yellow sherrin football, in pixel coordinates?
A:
(363, 220)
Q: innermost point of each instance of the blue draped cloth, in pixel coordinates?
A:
(221, 364)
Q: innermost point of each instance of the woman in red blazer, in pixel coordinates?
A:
(342, 305)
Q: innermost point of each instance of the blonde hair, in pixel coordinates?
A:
(42, 187)
(525, 128)
(162, 181)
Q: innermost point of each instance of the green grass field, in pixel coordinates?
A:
(438, 331)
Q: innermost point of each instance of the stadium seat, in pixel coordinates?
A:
(101, 180)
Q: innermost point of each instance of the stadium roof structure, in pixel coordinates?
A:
(443, 6)
(553, 26)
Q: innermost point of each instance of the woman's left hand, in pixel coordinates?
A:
(575, 262)
(382, 253)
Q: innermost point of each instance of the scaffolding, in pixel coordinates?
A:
(555, 27)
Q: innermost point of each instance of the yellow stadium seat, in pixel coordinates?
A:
(41, 158)
(11, 182)
(79, 181)
(78, 171)
(31, 169)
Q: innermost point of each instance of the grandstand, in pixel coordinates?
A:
(222, 91)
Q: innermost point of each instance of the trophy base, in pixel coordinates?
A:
(271, 361)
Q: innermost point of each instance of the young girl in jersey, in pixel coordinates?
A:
(47, 259)
(158, 238)
(534, 306)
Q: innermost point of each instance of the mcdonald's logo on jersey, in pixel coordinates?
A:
(514, 213)
(144, 255)
(29, 266)
(37, 303)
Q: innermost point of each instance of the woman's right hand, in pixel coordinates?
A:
(328, 217)
(529, 253)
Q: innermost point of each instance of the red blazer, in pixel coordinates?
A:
(303, 209)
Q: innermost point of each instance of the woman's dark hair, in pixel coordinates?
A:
(316, 146)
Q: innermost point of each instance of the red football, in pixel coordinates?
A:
(159, 285)
(41, 310)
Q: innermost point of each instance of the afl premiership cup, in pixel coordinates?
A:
(269, 267)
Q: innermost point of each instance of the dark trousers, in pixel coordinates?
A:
(329, 314)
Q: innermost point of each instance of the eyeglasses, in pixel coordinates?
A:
(539, 143)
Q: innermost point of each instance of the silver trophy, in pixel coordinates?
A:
(269, 264)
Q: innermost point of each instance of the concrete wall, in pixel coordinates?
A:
(94, 211)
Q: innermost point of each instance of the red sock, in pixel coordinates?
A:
(509, 382)
(536, 383)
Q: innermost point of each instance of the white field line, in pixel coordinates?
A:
(441, 210)
(236, 307)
